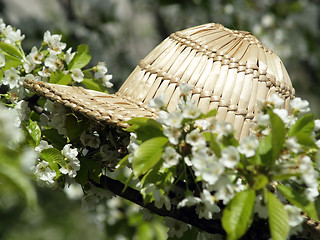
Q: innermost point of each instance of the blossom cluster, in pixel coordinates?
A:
(203, 155)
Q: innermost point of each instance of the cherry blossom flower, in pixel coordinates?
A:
(2, 60)
(248, 146)
(297, 104)
(44, 174)
(229, 157)
(171, 157)
(77, 75)
(157, 102)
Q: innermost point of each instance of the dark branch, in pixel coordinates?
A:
(187, 215)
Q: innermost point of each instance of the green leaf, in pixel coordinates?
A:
(35, 132)
(299, 199)
(81, 58)
(278, 133)
(88, 168)
(18, 179)
(53, 156)
(214, 145)
(260, 181)
(238, 214)
(145, 128)
(304, 125)
(305, 139)
(89, 83)
(57, 140)
(60, 78)
(148, 154)
(211, 113)
(265, 149)
(75, 127)
(11, 49)
(278, 218)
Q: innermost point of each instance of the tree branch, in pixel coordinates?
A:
(187, 215)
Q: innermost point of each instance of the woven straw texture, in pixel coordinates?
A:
(229, 71)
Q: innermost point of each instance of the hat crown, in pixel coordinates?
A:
(229, 70)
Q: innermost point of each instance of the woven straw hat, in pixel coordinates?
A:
(229, 70)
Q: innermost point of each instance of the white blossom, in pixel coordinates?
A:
(190, 111)
(283, 114)
(69, 56)
(185, 88)
(275, 100)
(12, 36)
(171, 157)
(157, 102)
(73, 164)
(317, 125)
(208, 206)
(260, 208)
(176, 228)
(173, 134)
(53, 63)
(12, 78)
(293, 145)
(230, 157)
(196, 139)
(2, 60)
(174, 119)
(294, 215)
(42, 145)
(248, 146)
(9, 128)
(77, 75)
(101, 73)
(54, 42)
(44, 174)
(263, 119)
(189, 201)
(300, 105)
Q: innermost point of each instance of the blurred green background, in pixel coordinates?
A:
(120, 33)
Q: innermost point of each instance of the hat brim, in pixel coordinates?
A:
(101, 107)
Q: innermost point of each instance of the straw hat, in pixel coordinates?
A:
(229, 70)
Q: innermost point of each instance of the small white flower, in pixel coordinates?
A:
(283, 114)
(53, 41)
(44, 174)
(263, 119)
(293, 145)
(77, 75)
(202, 124)
(36, 56)
(248, 146)
(162, 116)
(2, 60)
(294, 214)
(69, 56)
(229, 157)
(157, 102)
(212, 173)
(208, 206)
(225, 193)
(260, 208)
(190, 111)
(173, 134)
(106, 81)
(176, 228)
(189, 201)
(275, 100)
(223, 129)
(317, 125)
(196, 139)
(300, 105)
(12, 36)
(42, 145)
(185, 88)
(171, 157)
(174, 119)
(53, 63)
(12, 78)
(73, 164)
